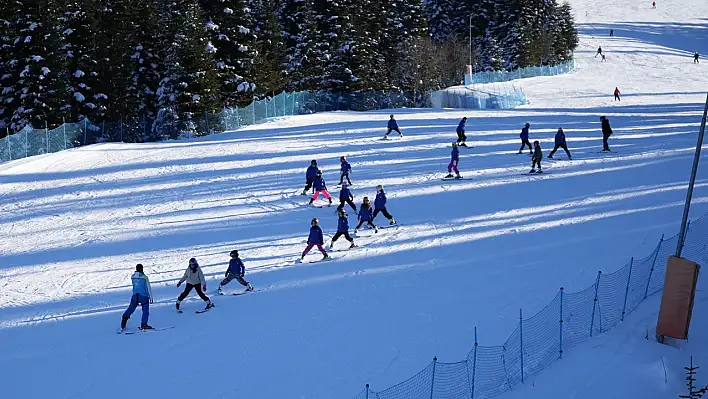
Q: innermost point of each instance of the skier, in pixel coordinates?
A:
(537, 156)
(345, 170)
(606, 133)
(320, 188)
(142, 295)
(653, 4)
(612, 32)
(380, 205)
(345, 196)
(603, 57)
(365, 215)
(461, 138)
(315, 239)
(310, 175)
(195, 279)
(392, 125)
(235, 271)
(599, 52)
(454, 161)
(342, 229)
(695, 58)
(525, 139)
(617, 94)
(560, 143)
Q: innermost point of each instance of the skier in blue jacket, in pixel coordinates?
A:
(345, 170)
(380, 205)
(316, 238)
(461, 138)
(142, 295)
(392, 125)
(560, 143)
(235, 271)
(310, 176)
(525, 139)
(342, 229)
(366, 215)
(346, 196)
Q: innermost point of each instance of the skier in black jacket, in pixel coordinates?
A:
(606, 133)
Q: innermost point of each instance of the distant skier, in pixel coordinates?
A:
(560, 143)
(536, 158)
(599, 52)
(142, 295)
(320, 188)
(612, 32)
(392, 125)
(695, 58)
(342, 229)
(366, 216)
(617, 94)
(316, 238)
(345, 170)
(525, 139)
(653, 4)
(461, 138)
(603, 58)
(346, 196)
(380, 205)
(454, 162)
(236, 271)
(606, 133)
(310, 175)
(195, 280)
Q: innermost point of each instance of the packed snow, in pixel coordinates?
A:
(466, 253)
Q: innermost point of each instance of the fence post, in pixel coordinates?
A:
(46, 134)
(474, 361)
(521, 338)
(26, 145)
(121, 129)
(432, 381)
(63, 125)
(653, 263)
(560, 335)
(626, 291)
(367, 391)
(594, 303)
(103, 129)
(9, 148)
(253, 110)
(85, 119)
(206, 119)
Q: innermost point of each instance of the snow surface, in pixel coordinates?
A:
(468, 253)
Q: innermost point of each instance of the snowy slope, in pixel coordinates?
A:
(467, 253)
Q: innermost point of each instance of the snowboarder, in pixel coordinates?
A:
(142, 295)
(454, 161)
(599, 51)
(525, 139)
(345, 196)
(606, 133)
(195, 279)
(235, 271)
(537, 156)
(342, 229)
(365, 215)
(392, 125)
(310, 175)
(695, 58)
(461, 138)
(617, 94)
(380, 205)
(560, 143)
(612, 32)
(315, 239)
(344, 171)
(320, 188)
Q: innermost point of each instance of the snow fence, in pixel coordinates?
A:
(520, 73)
(539, 340)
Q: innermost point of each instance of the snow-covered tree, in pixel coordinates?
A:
(269, 47)
(295, 17)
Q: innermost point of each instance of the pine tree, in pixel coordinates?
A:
(440, 15)
(269, 46)
(9, 15)
(296, 20)
(143, 61)
(565, 33)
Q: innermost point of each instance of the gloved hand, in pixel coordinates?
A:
(241, 275)
(226, 274)
(151, 301)
(179, 283)
(204, 288)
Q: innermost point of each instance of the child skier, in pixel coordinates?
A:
(344, 171)
(342, 229)
(560, 143)
(392, 125)
(195, 279)
(380, 205)
(461, 138)
(617, 94)
(235, 271)
(310, 176)
(320, 188)
(525, 139)
(142, 295)
(606, 133)
(536, 159)
(599, 52)
(345, 196)
(315, 239)
(695, 58)
(454, 161)
(365, 215)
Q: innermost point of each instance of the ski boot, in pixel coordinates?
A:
(311, 201)
(219, 291)
(123, 322)
(519, 153)
(458, 176)
(330, 201)
(209, 305)
(177, 305)
(533, 171)
(539, 170)
(326, 257)
(352, 245)
(249, 288)
(449, 175)
(393, 221)
(146, 326)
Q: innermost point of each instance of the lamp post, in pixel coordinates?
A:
(470, 32)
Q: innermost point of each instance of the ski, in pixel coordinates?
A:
(140, 330)
(536, 173)
(204, 310)
(313, 261)
(245, 292)
(452, 178)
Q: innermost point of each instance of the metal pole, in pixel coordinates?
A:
(594, 303)
(367, 391)
(9, 148)
(691, 182)
(26, 144)
(46, 134)
(121, 130)
(432, 381)
(85, 121)
(626, 291)
(560, 350)
(63, 125)
(470, 32)
(521, 346)
(653, 263)
(474, 361)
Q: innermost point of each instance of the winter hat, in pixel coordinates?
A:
(313, 162)
(193, 261)
(379, 188)
(527, 124)
(602, 118)
(315, 221)
(234, 253)
(139, 268)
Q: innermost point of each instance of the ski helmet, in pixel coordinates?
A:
(342, 213)
(343, 158)
(366, 199)
(313, 162)
(345, 184)
(193, 262)
(234, 253)
(560, 130)
(379, 188)
(139, 268)
(527, 124)
(315, 221)
(602, 118)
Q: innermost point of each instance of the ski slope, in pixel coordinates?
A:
(467, 253)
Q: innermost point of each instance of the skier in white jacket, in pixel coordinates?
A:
(195, 279)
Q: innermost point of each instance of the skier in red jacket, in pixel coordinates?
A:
(617, 94)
